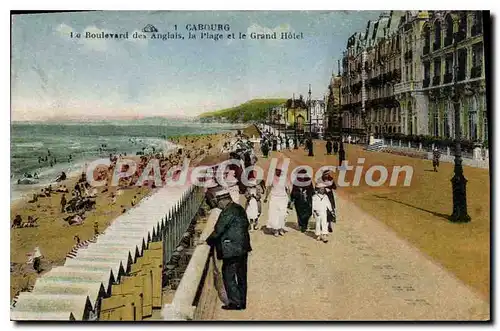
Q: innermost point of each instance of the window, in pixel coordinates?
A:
(427, 38)
(477, 60)
(485, 124)
(477, 27)
(446, 125)
(437, 35)
(436, 122)
(410, 117)
(462, 62)
(436, 80)
(473, 119)
(427, 74)
(448, 40)
(448, 68)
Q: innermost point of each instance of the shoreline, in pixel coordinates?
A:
(55, 237)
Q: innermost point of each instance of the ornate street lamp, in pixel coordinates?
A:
(458, 182)
(295, 140)
(309, 110)
(340, 101)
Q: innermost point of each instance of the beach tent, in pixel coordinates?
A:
(78, 305)
(75, 290)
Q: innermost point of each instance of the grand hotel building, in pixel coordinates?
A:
(398, 76)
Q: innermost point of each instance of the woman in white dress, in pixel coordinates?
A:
(278, 203)
(253, 207)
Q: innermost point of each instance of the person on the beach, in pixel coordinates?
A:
(301, 197)
(37, 260)
(253, 206)
(231, 240)
(63, 203)
(321, 206)
(18, 220)
(78, 191)
(279, 192)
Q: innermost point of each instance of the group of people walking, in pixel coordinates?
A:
(272, 142)
(231, 236)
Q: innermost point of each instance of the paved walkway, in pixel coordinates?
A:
(365, 272)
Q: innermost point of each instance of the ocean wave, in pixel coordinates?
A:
(37, 144)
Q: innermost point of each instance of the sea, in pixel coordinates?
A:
(88, 141)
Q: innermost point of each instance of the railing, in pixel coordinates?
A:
(178, 220)
(406, 87)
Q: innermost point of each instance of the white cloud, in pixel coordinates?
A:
(64, 30)
(95, 44)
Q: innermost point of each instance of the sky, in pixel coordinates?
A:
(54, 76)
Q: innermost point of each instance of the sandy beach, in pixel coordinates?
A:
(55, 237)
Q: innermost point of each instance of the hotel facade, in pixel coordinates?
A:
(400, 75)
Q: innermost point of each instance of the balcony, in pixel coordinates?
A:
(406, 87)
(426, 50)
(461, 74)
(476, 71)
(459, 36)
(448, 77)
(426, 82)
(436, 80)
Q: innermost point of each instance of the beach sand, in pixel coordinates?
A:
(55, 237)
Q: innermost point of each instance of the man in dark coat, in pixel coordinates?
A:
(265, 148)
(275, 144)
(341, 154)
(232, 244)
(335, 147)
(328, 147)
(310, 147)
(301, 197)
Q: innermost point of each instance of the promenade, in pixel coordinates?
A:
(365, 272)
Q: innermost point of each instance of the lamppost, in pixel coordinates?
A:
(309, 110)
(295, 140)
(458, 182)
(340, 100)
